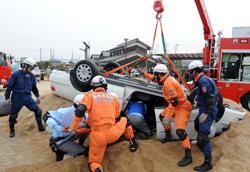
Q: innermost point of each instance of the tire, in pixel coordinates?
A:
(246, 102)
(82, 74)
(220, 105)
(110, 66)
(193, 95)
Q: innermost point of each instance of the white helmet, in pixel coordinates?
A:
(160, 68)
(78, 98)
(98, 81)
(28, 61)
(195, 64)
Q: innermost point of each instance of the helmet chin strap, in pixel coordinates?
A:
(26, 69)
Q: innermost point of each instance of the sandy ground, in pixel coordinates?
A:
(29, 151)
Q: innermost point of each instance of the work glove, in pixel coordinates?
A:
(203, 117)
(7, 95)
(70, 131)
(38, 100)
(174, 101)
(165, 121)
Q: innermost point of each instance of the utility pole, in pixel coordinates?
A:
(125, 48)
(50, 54)
(72, 55)
(53, 54)
(40, 54)
(175, 48)
(86, 50)
(87, 47)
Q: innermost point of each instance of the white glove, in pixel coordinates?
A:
(203, 117)
(165, 121)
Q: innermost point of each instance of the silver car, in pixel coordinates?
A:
(126, 88)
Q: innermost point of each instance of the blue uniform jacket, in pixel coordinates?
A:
(22, 83)
(206, 88)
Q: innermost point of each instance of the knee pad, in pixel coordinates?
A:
(182, 134)
(202, 140)
(38, 112)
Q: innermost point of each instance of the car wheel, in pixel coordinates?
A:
(82, 74)
(246, 102)
(220, 106)
(110, 66)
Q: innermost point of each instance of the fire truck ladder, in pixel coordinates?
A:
(213, 62)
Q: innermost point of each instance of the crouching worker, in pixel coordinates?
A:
(103, 109)
(178, 106)
(135, 112)
(21, 83)
(63, 143)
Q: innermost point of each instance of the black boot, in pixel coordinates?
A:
(133, 145)
(205, 166)
(167, 138)
(86, 151)
(12, 130)
(41, 128)
(38, 116)
(59, 155)
(98, 170)
(12, 133)
(187, 158)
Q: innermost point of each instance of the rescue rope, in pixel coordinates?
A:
(159, 8)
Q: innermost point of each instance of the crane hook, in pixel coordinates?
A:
(159, 8)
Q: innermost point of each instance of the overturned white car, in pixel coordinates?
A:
(78, 81)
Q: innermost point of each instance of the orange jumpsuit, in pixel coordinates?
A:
(171, 89)
(103, 109)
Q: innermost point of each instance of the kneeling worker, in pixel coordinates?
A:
(64, 142)
(103, 109)
(136, 112)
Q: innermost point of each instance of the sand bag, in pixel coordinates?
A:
(5, 107)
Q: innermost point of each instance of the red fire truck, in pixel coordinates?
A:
(5, 70)
(227, 60)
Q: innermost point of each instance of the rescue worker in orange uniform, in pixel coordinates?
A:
(178, 107)
(106, 124)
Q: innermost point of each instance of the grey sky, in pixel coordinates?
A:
(28, 25)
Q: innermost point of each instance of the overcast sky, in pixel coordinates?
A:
(28, 25)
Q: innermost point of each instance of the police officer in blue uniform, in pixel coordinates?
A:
(207, 98)
(21, 83)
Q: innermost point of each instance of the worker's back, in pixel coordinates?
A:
(102, 108)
